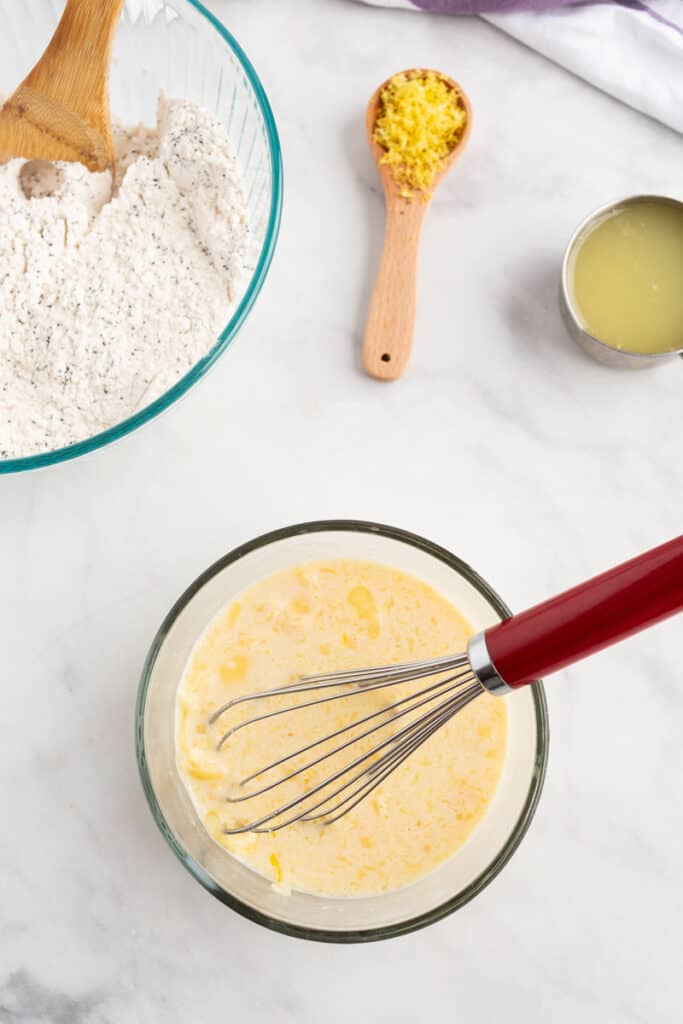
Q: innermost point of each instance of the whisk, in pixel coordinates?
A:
(503, 658)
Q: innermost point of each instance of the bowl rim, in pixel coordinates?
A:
(229, 899)
(240, 314)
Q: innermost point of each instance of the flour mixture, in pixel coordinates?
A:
(110, 291)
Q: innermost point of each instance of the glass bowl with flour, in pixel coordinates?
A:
(117, 295)
(317, 597)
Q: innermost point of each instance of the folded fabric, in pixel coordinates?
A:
(631, 49)
(482, 6)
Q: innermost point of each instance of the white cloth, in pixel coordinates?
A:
(628, 53)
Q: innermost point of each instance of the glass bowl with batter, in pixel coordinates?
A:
(317, 597)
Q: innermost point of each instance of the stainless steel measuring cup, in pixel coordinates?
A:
(600, 350)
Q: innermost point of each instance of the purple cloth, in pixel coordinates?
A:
(489, 6)
(504, 6)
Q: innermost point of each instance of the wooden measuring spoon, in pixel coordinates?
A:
(391, 317)
(61, 109)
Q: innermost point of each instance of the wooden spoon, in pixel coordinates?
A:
(391, 317)
(61, 109)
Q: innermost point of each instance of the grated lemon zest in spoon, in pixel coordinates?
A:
(420, 120)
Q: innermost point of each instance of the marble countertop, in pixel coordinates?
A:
(503, 442)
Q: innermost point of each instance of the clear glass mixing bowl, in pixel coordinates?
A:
(179, 47)
(359, 919)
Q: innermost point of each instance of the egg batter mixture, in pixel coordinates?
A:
(321, 617)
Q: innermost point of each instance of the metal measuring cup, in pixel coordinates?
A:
(600, 350)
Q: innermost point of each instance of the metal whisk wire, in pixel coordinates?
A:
(383, 711)
(393, 759)
(457, 689)
(365, 680)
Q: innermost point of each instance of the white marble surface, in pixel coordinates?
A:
(503, 442)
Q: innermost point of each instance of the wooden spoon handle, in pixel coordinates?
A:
(391, 317)
(83, 41)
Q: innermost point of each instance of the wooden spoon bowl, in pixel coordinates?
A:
(391, 316)
(61, 109)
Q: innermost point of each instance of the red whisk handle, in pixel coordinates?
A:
(593, 615)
